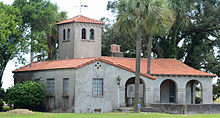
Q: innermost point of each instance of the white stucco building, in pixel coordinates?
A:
(84, 81)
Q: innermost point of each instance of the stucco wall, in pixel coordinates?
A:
(77, 47)
(81, 99)
(86, 102)
(23, 76)
(181, 88)
(57, 103)
(85, 47)
(66, 47)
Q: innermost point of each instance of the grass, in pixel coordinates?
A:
(105, 115)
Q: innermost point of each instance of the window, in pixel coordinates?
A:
(91, 35)
(97, 86)
(66, 86)
(83, 33)
(50, 87)
(68, 34)
(64, 34)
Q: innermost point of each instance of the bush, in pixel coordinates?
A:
(27, 95)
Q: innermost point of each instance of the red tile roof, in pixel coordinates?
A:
(80, 19)
(158, 66)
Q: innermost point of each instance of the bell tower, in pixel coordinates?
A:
(79, 37)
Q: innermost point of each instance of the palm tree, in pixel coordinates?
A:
(159, 19)
(132, 21)
(138, 16)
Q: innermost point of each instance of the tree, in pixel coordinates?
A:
(159, 19)
(40, 17)
(11, 39)
(27, 95)
(136, 17)
(131, 20)
(111, 35)
(2, 95)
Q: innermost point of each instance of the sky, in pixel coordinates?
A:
(96, 9)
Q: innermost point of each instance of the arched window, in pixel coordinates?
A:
(83, 33)
(68, 34)
(91, 34)
(64, 34)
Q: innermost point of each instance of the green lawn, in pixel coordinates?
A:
(106, 115)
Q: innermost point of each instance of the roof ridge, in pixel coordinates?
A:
(77, 17)
(80, 19)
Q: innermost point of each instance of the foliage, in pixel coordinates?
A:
(135, 18)
(193, 38)
(216, 90)
(39, 19)
(27, 95)
(11, 39)
(131, 20)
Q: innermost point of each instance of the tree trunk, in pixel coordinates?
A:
(49, 47)
(137, 74)
(52, 47)
(150, 37)
(2, 71)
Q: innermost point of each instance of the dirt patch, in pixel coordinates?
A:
(20, 111)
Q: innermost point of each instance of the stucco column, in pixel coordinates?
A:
(148, 95)
(156, 95)
(194, 93)
(122, 96)
(180, 97)
(207, 92)
(207, 96)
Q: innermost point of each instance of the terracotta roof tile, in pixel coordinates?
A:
(80, 19)
(158, 67)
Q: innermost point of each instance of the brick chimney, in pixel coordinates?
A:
(115, 51)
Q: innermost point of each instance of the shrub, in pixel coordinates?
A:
(27, 95)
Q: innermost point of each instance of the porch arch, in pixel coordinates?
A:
(130, 92)
(194, 92)
(168, 91)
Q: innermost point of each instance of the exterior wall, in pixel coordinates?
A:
(81, 100)
(181, 83)
(56, 103)
(24, 76)
(86, 102)
(85, 47)
(77, 47)
(66, 47)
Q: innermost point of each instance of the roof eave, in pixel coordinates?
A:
(174, 75)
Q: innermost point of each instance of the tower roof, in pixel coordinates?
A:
(80, 19)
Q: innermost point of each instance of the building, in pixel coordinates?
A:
(83, 81)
